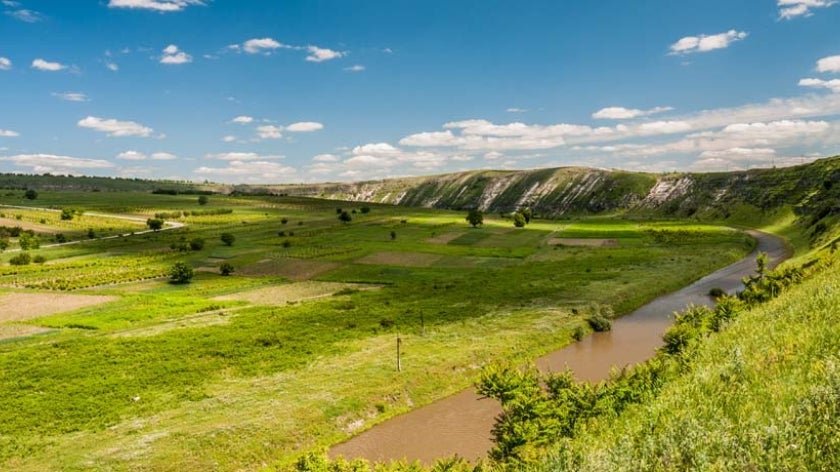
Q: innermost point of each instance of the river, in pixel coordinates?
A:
(461, 424)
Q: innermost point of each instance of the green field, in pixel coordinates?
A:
(295, 350)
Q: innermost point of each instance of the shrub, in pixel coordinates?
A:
(39, 259)
(287, 243)
(181, 273)
(716, 292)
(197, 244)
(578, 333)
(519, 220)
(21, 259)
(30, 194)
(599, 323)
(154, 224)
(226, 269)
(365, 209)
(202, 200)
(228, 239)
(345, 217)
(284, 221)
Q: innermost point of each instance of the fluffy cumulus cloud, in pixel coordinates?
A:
(829, 64)
(172, 55)
(163, 6)
(833, 85)
(304, 127)
(317, 54)
(242, 120)
(41, 64)
(115, 128)
(42, 163)
(5, 63)
(163, 156)
(132, 156)
(326, 158)
(790, 9)
(71, 96)
(621, 113)
(5, 133)
(261, 45)
(253, 172)
(706, 43)
(270, 132)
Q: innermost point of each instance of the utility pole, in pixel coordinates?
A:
(399, 343)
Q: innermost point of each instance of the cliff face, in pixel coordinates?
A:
(812, 189)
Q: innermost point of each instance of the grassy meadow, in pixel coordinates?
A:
(296, 349)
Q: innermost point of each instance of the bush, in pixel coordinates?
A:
(181, 273)
(284, 221)
(716, 292)
(197, 244)
(345, 217)
(39, 259)
(599, 323)
(31, 194)
(228, 239)
(287, 243)
(154, 224)
(21, 259)
(519, 220)
(578, 333)
(202, 200)
(226, 269)
(365, 210)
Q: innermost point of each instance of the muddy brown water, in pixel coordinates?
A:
(461, 424)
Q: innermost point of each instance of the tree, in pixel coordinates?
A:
(365, 210)
(180, 273)
(30, 194)
(4, 244)
(202, 200)
(67, 214)
(393, 235)
(21, 259)
(527, 214)
(226, 269)
(28, 241)
(197, 244)
(518, 220)
(154, 224)
(345, 217)
(475, 217)
(228, 239)
(284, 220)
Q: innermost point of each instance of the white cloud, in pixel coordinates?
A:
(5, 63)
(229, 139)
(833, 85)
(317, 54)
(829, 64)
(28, 16)
(41, 64)
(71, 96)
(243, 120)
(264, 45)
(42, 163)
(163, 6)
(621, 113)
(431, 139)
(4, 133)
(270, 132)
(376, 149)
(172, 55)
(114, 127)
(255, 172)
(356, 68)
(304, 127)
(132, 156)
(493, 155)
(705, 43)
(243, 156)
(326, 158)
(516, 110)
(163, 156)
(663, 127)
(790, 9)
(112, 67)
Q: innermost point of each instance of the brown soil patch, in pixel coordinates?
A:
(445, 238)
(583, 242)
(295, 269)
(294, 292)
(216, 318)
(25, 306)
(11, 331)
(402, 259)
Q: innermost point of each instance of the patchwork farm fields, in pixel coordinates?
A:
(105, 363)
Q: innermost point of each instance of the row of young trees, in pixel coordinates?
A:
(475, 217)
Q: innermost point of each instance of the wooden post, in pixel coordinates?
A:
(399, 364)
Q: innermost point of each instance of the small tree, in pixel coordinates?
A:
(393, 235)
(21, 259)
(30, 194)
(154, 224)
(345, 217)
(91, 233)
(226, 269)
(284, 220)
(4, 244)
(181, 273)
(475, 217)
(67, 214)
(228, 239)
(519, 220)
(28, 241)
(527, 214)
(197, 244)
(202, 200)
(365, 210)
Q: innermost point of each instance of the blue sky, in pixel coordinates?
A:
(258, 91)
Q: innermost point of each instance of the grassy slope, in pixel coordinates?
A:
(762, 395)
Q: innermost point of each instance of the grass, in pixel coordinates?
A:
(181, 378)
